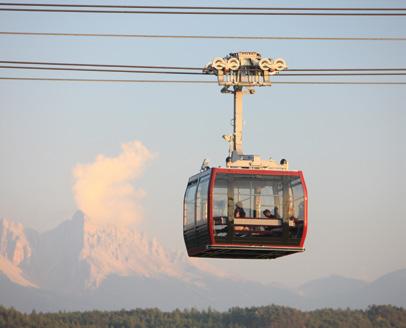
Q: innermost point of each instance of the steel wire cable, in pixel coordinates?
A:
(187, 67)
(217, 13)
(207, 7)
(100, 70)
(198, 10)
(340, 74)
(282, 74)
(343, 69)
(393, 83)
(210, 37)
(98, 65)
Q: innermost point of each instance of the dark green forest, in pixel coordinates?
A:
(264, 316)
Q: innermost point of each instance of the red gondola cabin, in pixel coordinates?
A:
(253, 208)
(240, 213)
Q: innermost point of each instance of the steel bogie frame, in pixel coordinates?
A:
(201, 241)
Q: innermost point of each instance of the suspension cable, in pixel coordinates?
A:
(210, 37)
(177, 68)
(393, 83)
(282, 74)
(189, 10)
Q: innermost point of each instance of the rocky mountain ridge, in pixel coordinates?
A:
(79, 265)
(79, 254)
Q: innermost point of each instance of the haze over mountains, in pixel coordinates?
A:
(80, 265)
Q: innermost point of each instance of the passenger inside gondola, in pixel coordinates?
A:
(239, 211)
(275, 231)
(276, 213)
(268, 214)
(258, 208)
(296, 224)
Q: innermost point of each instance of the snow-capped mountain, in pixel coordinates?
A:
(112, 250)
(14, 245)
(14, 250)
(79, 254)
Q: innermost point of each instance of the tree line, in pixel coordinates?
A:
(272, 316)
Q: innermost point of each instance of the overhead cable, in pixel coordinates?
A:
(97, 65)
(340, 74)
(159, 69)
(217, 13)
(202, 7)
(282, 74)
(343, 69)
(17, 4)
(203, 10)
(210, 37)
(100, 70)
(198, 82)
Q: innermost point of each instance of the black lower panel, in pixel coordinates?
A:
(234, 252)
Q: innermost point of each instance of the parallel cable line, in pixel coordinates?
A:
(343, 69)
(191, 68)
(282, 74)
(210, 37)
(104, 80)
(207, 7)
(99, 70)
(217, 13)
(98, 65)
(340, 74)
(198, 82)
(199, 13)
(342, 82)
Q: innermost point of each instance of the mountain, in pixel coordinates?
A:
(80, 265)
(14, 273)
(13, 242)
(331, 291)
(79, 255)
(55, 262)
(336, 291)
(388, 289)
(14, 250)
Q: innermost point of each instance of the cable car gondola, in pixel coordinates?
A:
(251, 208)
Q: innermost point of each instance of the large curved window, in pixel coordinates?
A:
(265, 208)
(189, 205)
(296, 216)
(201, 200)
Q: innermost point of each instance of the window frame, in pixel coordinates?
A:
(205, 182)
(191, 223)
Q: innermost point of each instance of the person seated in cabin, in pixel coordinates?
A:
(239, 213)
(268, 214)
(295, 227)
(293, 221)
(239, 210)
(273, 230)
(276, 213)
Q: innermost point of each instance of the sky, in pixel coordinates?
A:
(348, 140)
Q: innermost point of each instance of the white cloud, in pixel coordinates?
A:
(104, 189)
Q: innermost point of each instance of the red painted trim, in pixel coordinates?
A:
(305, 223)
(210, 204)
(265, 246)
(255, 172)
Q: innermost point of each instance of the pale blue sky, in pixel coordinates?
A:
(348, 140)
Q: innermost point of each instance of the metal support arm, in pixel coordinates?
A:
(238, 123)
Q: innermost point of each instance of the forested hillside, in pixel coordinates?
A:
(266, 316)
